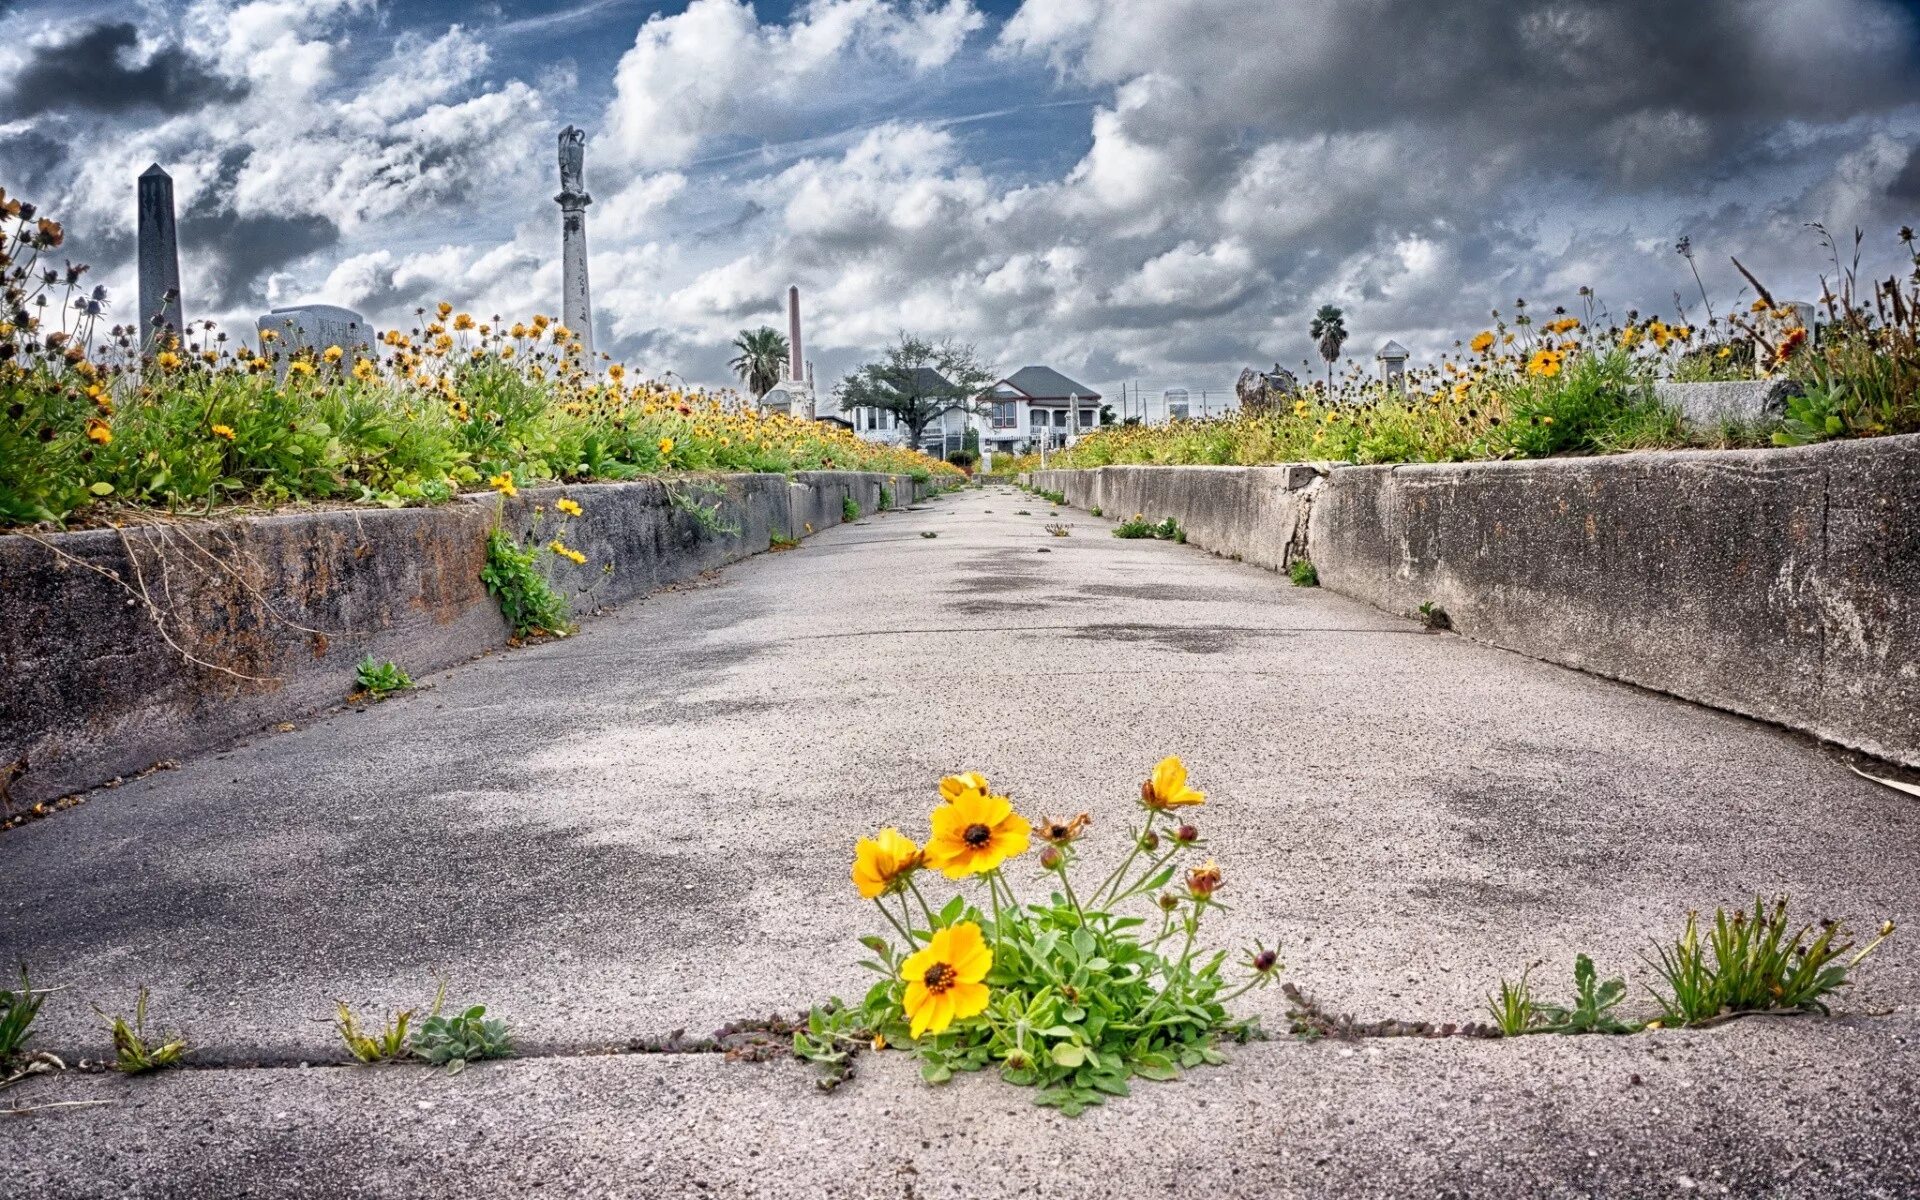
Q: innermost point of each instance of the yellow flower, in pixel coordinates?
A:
(363, 370)
(569, 507)
(616, 372)
(975, 832)
(223, 431)
(463, 322)
(882, 864)
(445, 308)
(955, 786)
(99, 432)
(503, 484)
(666, 446)
(333, 354)
(1563, 325)
(944, 979)
(564, 551)
(268, 335)
(1629, 338)
(1167, 788)
(1544, 363)
(167, 360)
(1482, 341)
(299, 366)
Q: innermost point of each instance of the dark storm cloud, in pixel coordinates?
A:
(28, 159)
(244, 249)
(97, 71)
(1906, 185)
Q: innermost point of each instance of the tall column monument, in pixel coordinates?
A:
(159, 257)
(576, 308)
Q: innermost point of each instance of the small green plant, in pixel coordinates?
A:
(1813, 416)
(1058, 529)
(1433, 616)
(1139, 527)
(390, 1044)
(1593, 1004)
(133, 1052)
(1754, 962)
(704, 502)
(780, 542)
(929, 534)
(526, 599)
(1095, 510)
(849, 509)
(1303, 573)
(1022, 512)
(886, 496)
(1514, 1010)
(467, 1036)
(380, 679)
(17, 1012)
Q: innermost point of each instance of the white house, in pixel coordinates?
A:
(1036, 406)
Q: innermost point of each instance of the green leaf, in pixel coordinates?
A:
(1067, 1054)
(935, 1072)
(952, 911)
(103, 488)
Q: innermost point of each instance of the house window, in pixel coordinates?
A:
(1060, 419)
(1087, 417)
(1005, 414)
(1037, 419)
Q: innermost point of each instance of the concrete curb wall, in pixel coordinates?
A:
(1781, 584)
(1253, 514)
(121, 648)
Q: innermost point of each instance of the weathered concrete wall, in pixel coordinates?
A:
(1782, 584)
(1255, 514)
(120, 648)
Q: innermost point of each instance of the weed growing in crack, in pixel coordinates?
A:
(378, 680)
(1059, 529)
(886, 497)
(17, 1012)
(133, 1051)
(1066, 994)
(1593, 1004)
(467, 1036)
(849, 509)
(778, 542)
(929, 534)
(1138, 526)
(527, 600)
(1754, 962)
(1303, 573)
(1095, 510)
(1433, 616)
(390, 1044)
(1514, 1010)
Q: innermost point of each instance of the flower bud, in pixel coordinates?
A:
(1203, 882)
(1169, 901)
(1149, 841)
(1186, 835)
(1050, 858)
(1265, 961)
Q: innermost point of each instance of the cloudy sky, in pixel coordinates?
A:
(1157, 191)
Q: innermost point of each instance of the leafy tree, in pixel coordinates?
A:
(1106, 414)
(918, 381)
(1329, 333)
(762, 357)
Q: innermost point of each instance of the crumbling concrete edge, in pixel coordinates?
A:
(122, 648)
(1782, 585)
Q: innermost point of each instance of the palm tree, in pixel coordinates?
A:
(763, 355)
(1329, 332)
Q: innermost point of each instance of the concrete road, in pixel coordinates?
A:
(647, 828)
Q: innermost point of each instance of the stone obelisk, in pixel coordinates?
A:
(159, 257)
(798, 384)
(576, 307)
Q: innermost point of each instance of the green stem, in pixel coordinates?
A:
(1126, 862)
(1153, 868)
(1067, 884)
(893, 922)
(915, 889)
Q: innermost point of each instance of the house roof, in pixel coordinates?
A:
(1045, 383)
(926, 379)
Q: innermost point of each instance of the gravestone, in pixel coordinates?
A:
(158, 255)
(1259, 390)
(1392, 358)
(314, 327)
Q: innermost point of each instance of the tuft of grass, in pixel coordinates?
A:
(391, 1043)
(886, 496)
(1754, 962)
(380, 679)
(1095, 510)
(17, 1012)
(527, 600)
(135, 1051)
(1433, 616)
(779, 542)
(1059, 529)
(929, 534)
(849, 509)
(1514, 1010)
(1303, 573)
